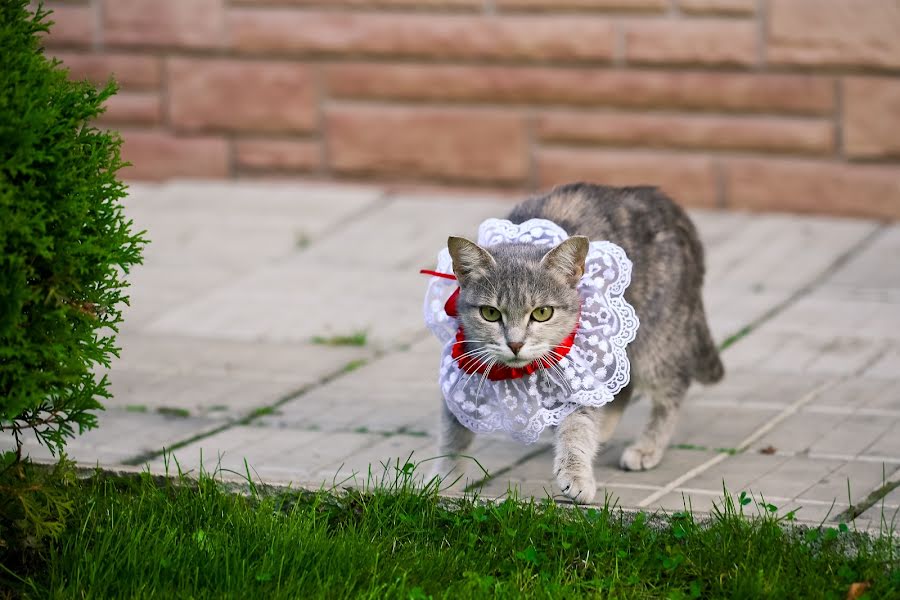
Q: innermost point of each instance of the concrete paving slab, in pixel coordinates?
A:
(406, 234)
(212, 397)
(695, 502)
(240, 223)
(298, 364)
(224, 450)
(747, 275)
(736, 473)
(274, 305)
(880, 520)
(888, 399)
(717, 228)
(861, 434)
(796, 475)
(826, 514)
(854, 393)
(834, 320)
(380, 463)
(752, 389)
(155, 289)
(730, 310)
(626, 496)
(540, 467)
(850, 483)
(622, 496)
(754, 255)
(888, 444)
(674, 464)
(808, 512)
(218, 379)
(279, 454)
(498, 454)
(869, 269)
(202, 234)
(708, 428)
(835, 357)
(506, 488)
(122, 436)
(886, 366)
(398, 391)
(799, 432)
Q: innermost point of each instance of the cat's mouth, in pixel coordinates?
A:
(517, 362)
(525, 357)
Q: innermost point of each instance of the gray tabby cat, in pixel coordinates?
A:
(673, 344)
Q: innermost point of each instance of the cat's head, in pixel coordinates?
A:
(517, 301)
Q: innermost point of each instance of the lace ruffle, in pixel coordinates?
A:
(595, 370)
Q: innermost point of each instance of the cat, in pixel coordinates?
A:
(673, 345)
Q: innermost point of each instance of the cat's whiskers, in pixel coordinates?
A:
(542, 368)
(474, 352)
(483, 377)
(464, 342)
(479, 357)
(556, 355)
(558, 369)
(562, 375)
(481, 363)
(549, 371)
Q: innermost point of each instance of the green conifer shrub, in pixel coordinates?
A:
(65, 244)
(65, 248)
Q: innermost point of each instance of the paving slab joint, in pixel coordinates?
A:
(871, 500)
(807, 288)
(520, 461)
(750, 439)
(261, 411)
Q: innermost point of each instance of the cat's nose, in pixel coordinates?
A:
(515, 347)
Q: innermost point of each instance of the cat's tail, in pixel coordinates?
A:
(708, 367)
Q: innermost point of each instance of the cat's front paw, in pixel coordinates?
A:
(445, 469)
(640, 458)
(578, 485)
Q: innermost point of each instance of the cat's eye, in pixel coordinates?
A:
(542, 314)
(489, 313)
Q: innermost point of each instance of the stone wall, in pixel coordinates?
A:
(751, 104)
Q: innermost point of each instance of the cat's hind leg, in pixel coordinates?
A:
(649, 448)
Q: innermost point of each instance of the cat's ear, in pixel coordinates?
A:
(568, 258)
(468, 257)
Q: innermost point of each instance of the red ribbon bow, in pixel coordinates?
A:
(470, 364)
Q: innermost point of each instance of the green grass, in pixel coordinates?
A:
(143, 538)
(357, 338)
(735, 337)
(181, 413)
(302, 240)
(263, 412)
(353, 365)
(730, 451)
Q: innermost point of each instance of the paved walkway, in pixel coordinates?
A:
(218, 352)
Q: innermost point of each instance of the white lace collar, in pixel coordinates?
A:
(594, 371)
